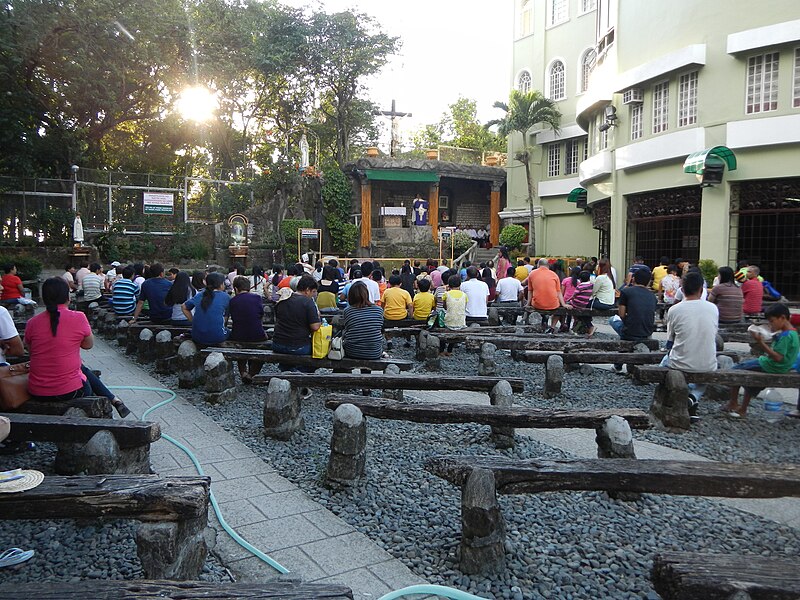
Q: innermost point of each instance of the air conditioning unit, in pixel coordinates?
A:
(633, 96)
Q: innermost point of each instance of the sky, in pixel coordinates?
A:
(449, 48)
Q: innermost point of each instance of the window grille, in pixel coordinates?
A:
(587, 64)
(557, 81)
(571, 157)
(661, 107)
(524, 82)
(762, 83)
(687, 99)
(554, 160)
(637, 125)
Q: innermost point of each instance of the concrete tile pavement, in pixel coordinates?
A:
(267, 510)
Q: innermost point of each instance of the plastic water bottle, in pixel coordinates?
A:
(773, 406)
(324, 322)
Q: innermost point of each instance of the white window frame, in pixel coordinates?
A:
(660, 116)
(519, 81)
(557, 12)
(587, 6)
(583, 73)
(796, 83)
(585, 140)
(602, 142)
(687, 99)
(636, 119)
(554, 159)
(549, 79)
(571, 153)
(759, 84)
(525, 12)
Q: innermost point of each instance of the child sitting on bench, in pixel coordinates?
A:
(777, 358)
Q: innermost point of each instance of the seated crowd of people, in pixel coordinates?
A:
(215, 307)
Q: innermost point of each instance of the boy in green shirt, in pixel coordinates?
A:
(778, 358)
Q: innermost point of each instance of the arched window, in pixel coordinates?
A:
(557, 81)
(524, 82)
(587, 64)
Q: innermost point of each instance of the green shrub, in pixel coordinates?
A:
(461, 243)
(344, 236)
(27, 266)
(513, 236)
(709, 269)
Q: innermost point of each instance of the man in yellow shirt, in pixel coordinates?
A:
(660, 272)
(424, 301)
(521, 271)
(396, 302)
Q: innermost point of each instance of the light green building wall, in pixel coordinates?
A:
(649, 35)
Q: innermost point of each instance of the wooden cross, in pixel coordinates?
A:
(392, 114)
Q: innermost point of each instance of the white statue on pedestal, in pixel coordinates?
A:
(77, 230)
(304, 161)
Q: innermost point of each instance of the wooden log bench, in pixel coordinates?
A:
(380, 381)
(670, 408)
(173, 512)
(92, 406)
(700, 576)
(187, 590)
(482, 477)
(501, 415)
(90, 446)
(581, 357)
(267, 356)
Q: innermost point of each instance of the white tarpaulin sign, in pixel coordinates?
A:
(159, 203)
(399, 211)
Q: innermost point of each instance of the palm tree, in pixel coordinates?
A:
(524, 111)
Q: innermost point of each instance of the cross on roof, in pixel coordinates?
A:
(392, 114)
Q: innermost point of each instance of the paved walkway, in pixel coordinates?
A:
(266, 509)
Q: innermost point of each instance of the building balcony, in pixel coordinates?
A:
(595, 168)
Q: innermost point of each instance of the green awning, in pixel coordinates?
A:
(696, 161)
(578, 193)
(401, 175)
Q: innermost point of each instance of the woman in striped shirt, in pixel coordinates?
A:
(363, 325)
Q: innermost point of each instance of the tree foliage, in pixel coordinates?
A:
(459, 127)
(95, 82)
(524, 112)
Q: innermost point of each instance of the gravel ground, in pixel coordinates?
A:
(570, 545)
(69, 550)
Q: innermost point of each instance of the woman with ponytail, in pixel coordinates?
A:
(54, 339)
(210, 307)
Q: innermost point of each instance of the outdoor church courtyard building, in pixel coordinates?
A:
(641, 88)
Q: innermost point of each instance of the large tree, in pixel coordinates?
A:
(345, 48)
(73, 71)
(525, 112)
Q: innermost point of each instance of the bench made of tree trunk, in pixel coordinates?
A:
(380, 381)
(516, 416)
(669, 409)
(672, 477)
(723, 377)
(173, 512)
(628, 358)
(481, 478)
(552, 342)
(188, 590)
(89, 446)
(696, 576)
(267, 356)
(92, 406)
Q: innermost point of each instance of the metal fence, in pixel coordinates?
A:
(34, 210)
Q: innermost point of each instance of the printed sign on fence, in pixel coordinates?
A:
(158, 203)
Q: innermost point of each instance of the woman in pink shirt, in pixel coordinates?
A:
(54, 339)
(568, 287)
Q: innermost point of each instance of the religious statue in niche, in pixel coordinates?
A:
(420, 211)
(445, 217)
(238, 225)
(77, 230)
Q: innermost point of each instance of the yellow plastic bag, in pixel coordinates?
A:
(321, 341)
